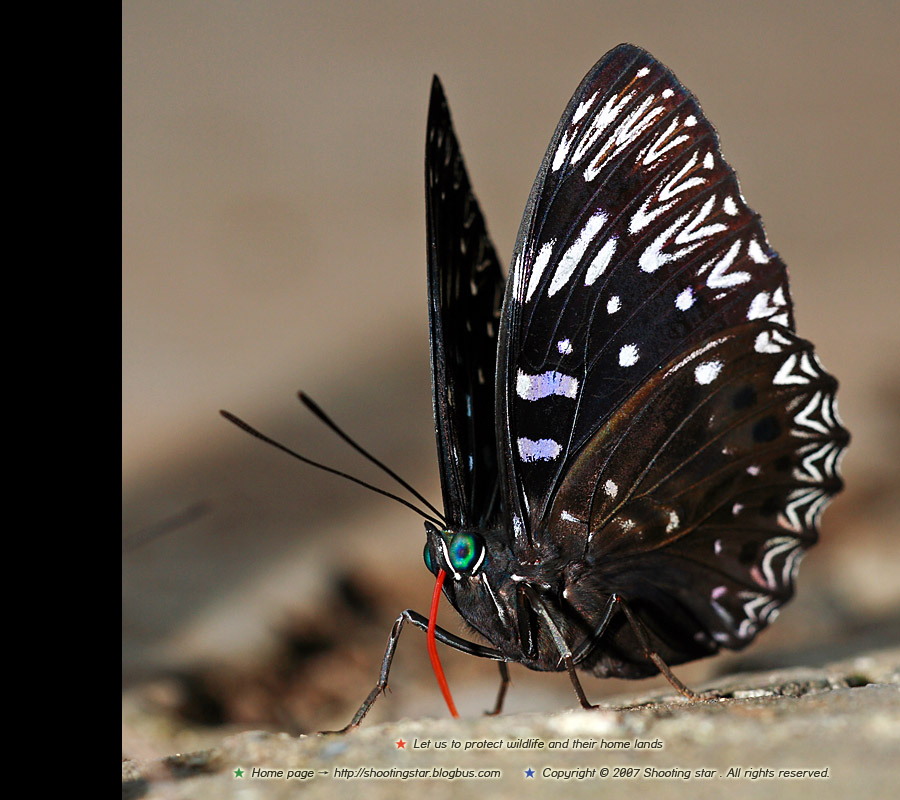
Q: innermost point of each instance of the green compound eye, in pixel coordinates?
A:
(427, 556)
(466, 551)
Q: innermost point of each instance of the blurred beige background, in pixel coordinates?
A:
(274, 239)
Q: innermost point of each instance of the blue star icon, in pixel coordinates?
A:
(529, 773)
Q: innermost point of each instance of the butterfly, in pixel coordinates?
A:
(635, 447)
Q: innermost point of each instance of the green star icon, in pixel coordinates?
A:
(239, 773)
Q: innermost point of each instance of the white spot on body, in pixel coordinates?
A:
(628, 355)
(707, 372)
(535, 387)
(538, 450)
(518, 527)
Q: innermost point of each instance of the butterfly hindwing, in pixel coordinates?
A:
(698, 498)
(465, 290)
(636, 244)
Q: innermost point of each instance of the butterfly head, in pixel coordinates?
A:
(483, 584)
(461, 554)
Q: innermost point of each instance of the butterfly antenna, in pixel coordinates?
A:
(253, 432)
(314, 407)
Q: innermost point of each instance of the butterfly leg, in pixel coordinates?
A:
(445, 637)
(501, 693)
(565, 652)
(653, 656)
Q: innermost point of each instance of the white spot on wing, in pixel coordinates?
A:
(663, 144)
(628, 355)
(720, 278)
(572, 257)
(601, 261)
(538, 450)
(611, 489)
(540, 264)
(604, 117)
(685, 299)
(707, 372)
(613, 304)
(756, 253)
(730, 206)
(564, 346)
(559, 157)
(628, 130)
(535, 387)
(687, 231)
(770, 342)
(583, 107)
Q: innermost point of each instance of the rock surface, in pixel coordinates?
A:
(839, 723)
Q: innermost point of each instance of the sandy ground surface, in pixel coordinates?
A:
(273, 240)
(832, 730)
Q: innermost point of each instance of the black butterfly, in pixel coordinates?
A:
(630, 424)
(635, 448)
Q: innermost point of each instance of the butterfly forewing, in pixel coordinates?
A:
(636, 245)
(465, 291)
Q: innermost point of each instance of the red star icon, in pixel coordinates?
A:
(401, 745)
